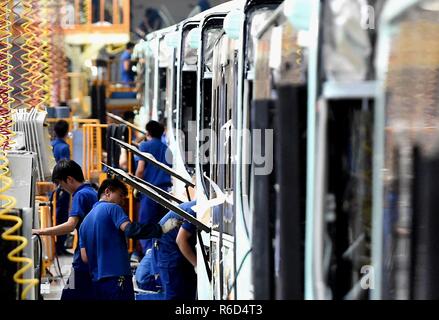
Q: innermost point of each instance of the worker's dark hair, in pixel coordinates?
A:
(113, 185)
(130, 45)
(128, 115)
(155, 129)
(94, 185)
(203, 4)
(61, 128)
(67, 168)
(151, 14)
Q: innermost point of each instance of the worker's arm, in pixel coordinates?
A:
(140, 169)
(140, 32)
(182, 240)
(127, 65)
(123, 160)
(137, 230)
(58, 230)
(65, 153)
(84, 255)
(139, 138)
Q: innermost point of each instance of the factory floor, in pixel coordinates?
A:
(53, 284)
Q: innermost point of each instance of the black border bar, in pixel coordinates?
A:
(129, 124)
(151, 193)
(150, 158)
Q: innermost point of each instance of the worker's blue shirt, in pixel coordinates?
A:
(126, 75)
(152, 173)
(104, 242)
(169, 255)
(61, 149)
(83, 200)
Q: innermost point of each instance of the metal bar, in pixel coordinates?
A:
(126, 14)
(162, 192)
(102, 11)
(116, 12)
(77, 12)
(350, 90)
(54, 203)
(130, 138)
(272, 20)
(158, 198)
(150, 158)
(355, 292)
(205, 256)
(131, 191)
(119, 119)
(89, 13)
(90, 151)
(319, 204)
(311, 149)
(187, 193)
(99, 148)
(84, 147)
(353, 247)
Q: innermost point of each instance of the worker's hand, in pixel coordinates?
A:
(171, 224)
(37, 231)
(136, 194)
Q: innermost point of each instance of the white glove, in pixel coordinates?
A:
(171, 224)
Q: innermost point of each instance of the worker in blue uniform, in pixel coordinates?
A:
(147, 276)
(68, 174)
(176, 258)
(126, 73)
(103, 243)
(150, 211)
(61, 150)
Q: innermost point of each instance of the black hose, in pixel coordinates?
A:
(59, 269)
(40, 266)
(229, 289)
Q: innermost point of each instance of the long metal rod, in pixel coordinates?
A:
(311, 150)
(129, 124)
(272, 20)
(319, 204)
(152, 194)
(162, 192)
(205, 256)
(150, 158)
(188, 193)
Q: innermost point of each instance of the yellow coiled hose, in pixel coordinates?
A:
(46, 81)
(28, 57)
(61, 78)
(17, 57)
(56, 54)
(38, 95)
(8, 202)
(5, 75)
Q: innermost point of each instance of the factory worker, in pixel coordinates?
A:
(177, 259)
(68, 174)
(103, 242)
(61, 150)
(150, 211)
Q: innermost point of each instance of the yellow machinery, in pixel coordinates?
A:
(37, 38)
